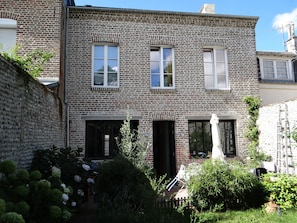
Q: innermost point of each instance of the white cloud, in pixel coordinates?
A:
(281, 21)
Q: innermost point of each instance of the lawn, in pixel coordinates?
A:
(250, 216)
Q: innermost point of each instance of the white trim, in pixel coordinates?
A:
(105, 75)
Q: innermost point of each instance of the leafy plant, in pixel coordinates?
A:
(282, 189)
(32, 62)
(252, 132)
(223, 186)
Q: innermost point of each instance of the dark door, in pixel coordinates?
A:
(164, 148)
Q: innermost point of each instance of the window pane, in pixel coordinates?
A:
(99, 51)
(112, 79)
(268, 69)
(155, 80)
(220, 68)
(207, 57)
(112, 52)
(167, 54)
(222, 81)
(112, 65)
(155, 67)
(168, 81)
(98, 66)
(167, 66)
(155, 55)
(208, 69)
(220, 55)
(98, 79)
(281, 69)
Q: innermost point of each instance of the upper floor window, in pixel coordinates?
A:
(8, 28)
(215, 68)
(105, 66)
(162, 67)
(276, 69)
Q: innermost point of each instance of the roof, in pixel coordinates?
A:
(90, 7)
(275, 54)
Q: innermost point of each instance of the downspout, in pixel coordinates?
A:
(65, 77)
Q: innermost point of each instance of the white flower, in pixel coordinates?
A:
(65, 197)
(80, 192)
(86, 167)
(90, 181)
(63, 186)
(56, 171)
(77, 178)
(73, 204)
(66, 190)
(64, 202)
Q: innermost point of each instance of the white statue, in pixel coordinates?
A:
(217, 152)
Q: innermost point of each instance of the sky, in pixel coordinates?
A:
(271, 28)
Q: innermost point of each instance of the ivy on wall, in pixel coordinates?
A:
(252, 131)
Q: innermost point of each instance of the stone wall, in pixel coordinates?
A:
(30, 116)
(135, 31)
(268, 125)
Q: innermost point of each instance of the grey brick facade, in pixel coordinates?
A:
(135, 31)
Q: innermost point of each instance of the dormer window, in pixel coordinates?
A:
(276, 69)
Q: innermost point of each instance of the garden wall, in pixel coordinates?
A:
(268, 122)
(30, 116)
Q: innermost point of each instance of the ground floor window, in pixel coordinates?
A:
(100, 138)
(200, 141)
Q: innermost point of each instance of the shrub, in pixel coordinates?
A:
(22, 208)
(221, 186)
(22, 176)
(11, 217)
(282, 189)
(2, 206)
(7, 167)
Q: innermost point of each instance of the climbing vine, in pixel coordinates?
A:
(252, 132)
(32, 62)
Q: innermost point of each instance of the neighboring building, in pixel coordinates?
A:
(35, 24)
(278, 72)
(170, 70)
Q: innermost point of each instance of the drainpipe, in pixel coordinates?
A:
(65, 77)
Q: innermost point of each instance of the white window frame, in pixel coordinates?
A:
(214, 67)
(105, 76)
(162, 68)
(288, 62)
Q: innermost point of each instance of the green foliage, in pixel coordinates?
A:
(7, 167)
(11, 217)
(252, 131)
(55, 213)
(32, 62)
(131, 146)
(2, 206)
(30, 196)
(223, 186)
(294, 134)
(282, 189)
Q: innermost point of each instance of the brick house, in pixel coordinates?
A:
(169, 70)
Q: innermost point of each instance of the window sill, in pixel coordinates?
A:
(105, 88)
(218, 90)
(277, 81)
(163, 90)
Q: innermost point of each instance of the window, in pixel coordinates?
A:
(105, 66)
(100, 138)
(162, 67)
(276, 69)
(8, 29)
(215, 68)
(200, 137)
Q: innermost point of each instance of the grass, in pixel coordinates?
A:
(249, 216)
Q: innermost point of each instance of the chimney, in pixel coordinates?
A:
(291, 43)
(208, 8)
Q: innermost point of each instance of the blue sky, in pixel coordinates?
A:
(272, 14)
